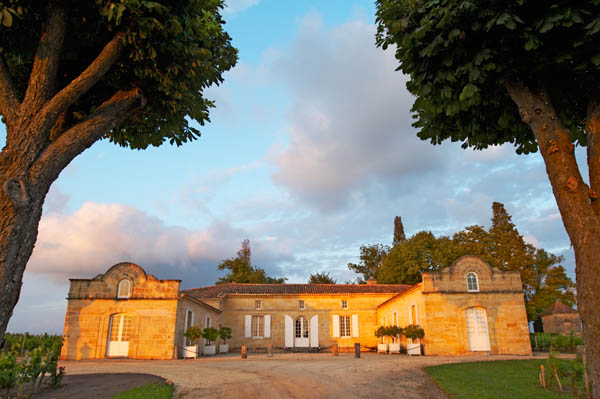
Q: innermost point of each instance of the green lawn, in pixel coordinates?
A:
(150, 391)
(494, 380)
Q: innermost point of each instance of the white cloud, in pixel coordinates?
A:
(349, 123)
(96, 236)
(237, 6)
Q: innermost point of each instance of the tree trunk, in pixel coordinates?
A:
(20, 210)
(577, 203)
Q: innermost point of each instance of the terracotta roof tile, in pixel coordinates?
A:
(294, 289)
(558, 308)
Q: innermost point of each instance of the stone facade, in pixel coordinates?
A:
(360, 307)
(153, 310)
(467, 308)
(561, 319)
(488, 317)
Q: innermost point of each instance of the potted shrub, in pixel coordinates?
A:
(414, 333)
(380, 333)
(210, 334)
(224, 334)
(395, 332)
(192, 335)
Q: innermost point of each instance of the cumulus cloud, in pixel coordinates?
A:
(96, 236)
(349, 123)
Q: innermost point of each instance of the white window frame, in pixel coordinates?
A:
(345, 326)
(258, 304)
(301, 304)
(469, 283)
(123, 280)
(344, 304)
(260, 321)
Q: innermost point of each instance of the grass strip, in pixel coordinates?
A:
(499, 379)
(150, 391)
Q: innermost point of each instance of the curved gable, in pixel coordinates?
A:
(143, 285)
(471, 263)
(454, 277)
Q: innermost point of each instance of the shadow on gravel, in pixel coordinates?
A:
(96, 386)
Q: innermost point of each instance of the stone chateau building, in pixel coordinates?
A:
(562, 319)
(466, 308)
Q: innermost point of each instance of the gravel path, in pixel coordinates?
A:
(289, 375)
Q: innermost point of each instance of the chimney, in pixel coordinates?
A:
(371, 281)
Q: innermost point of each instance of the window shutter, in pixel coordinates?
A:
(289, 332)
(248, 326)
(268, 326)
(355, 325)
(336, 326)
(314, 331)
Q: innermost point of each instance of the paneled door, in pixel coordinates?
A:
(118, 336)
(301, 339)
(477, 326)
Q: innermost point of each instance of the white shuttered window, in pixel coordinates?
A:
(355, 325)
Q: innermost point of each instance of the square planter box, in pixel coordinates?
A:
(190, 351)
(414, 347)
(382, 348)
(394, 348)
(223, 348)
(209, 350)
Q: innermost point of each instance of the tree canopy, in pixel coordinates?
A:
(321, 278)
(370, 260)
(460, 54)
(241, 269)
(399, 235)
(170, 51)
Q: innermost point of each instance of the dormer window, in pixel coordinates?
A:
(124, 289)
(472, 282)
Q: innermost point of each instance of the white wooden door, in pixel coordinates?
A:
(118, 335)
(301, 332)
(477, 326)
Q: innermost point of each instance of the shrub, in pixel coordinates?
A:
(224, 333)
(193, 334)
(41, 360)
(380, 332)
(210, 334)
(548, 341)
(413, 331)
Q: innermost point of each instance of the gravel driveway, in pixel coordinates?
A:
(289, 375)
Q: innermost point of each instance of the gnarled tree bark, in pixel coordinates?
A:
(40, 144)
(577, 202)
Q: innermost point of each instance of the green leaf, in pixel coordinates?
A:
(7, 18)
(474, 75)
(546, 26)
(468, 91)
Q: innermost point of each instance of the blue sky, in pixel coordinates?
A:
(309, 154)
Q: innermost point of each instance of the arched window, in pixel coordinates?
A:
(472, 282)
(124, 290)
